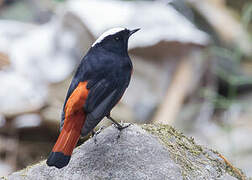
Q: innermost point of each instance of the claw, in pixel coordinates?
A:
(118, 125)
(121, 127)
(94, 134)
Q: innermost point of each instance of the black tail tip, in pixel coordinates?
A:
(58, 159)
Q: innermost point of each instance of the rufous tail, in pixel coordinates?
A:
(66, 142)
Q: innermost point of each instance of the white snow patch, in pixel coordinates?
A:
(19, 94)
(27, 120)
(158, 21)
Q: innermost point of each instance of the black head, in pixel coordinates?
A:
(115, 40)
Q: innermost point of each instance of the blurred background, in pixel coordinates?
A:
(192, 69)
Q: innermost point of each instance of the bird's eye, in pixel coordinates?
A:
(117, 38)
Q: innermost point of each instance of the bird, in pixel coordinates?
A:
(99, 82)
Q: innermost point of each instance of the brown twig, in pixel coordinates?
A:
(234, 169)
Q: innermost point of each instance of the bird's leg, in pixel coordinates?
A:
(94, 134)
(118, 126)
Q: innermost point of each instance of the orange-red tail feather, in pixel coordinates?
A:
(70, 134)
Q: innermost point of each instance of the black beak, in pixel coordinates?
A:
(133, 31)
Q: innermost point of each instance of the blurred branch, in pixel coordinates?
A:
(229, 29)
(4, 60)
(176, 93)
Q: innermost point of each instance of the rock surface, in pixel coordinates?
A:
(158, 152)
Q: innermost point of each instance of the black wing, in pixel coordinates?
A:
(102, 97)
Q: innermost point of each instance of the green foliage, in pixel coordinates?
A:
(247, 15)
(228, 69)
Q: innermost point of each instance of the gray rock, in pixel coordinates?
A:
(135, 154)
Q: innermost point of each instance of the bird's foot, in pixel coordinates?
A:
(118, 125)
(120, 128)
(95, 133)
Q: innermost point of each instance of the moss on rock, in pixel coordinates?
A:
(194, 159)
